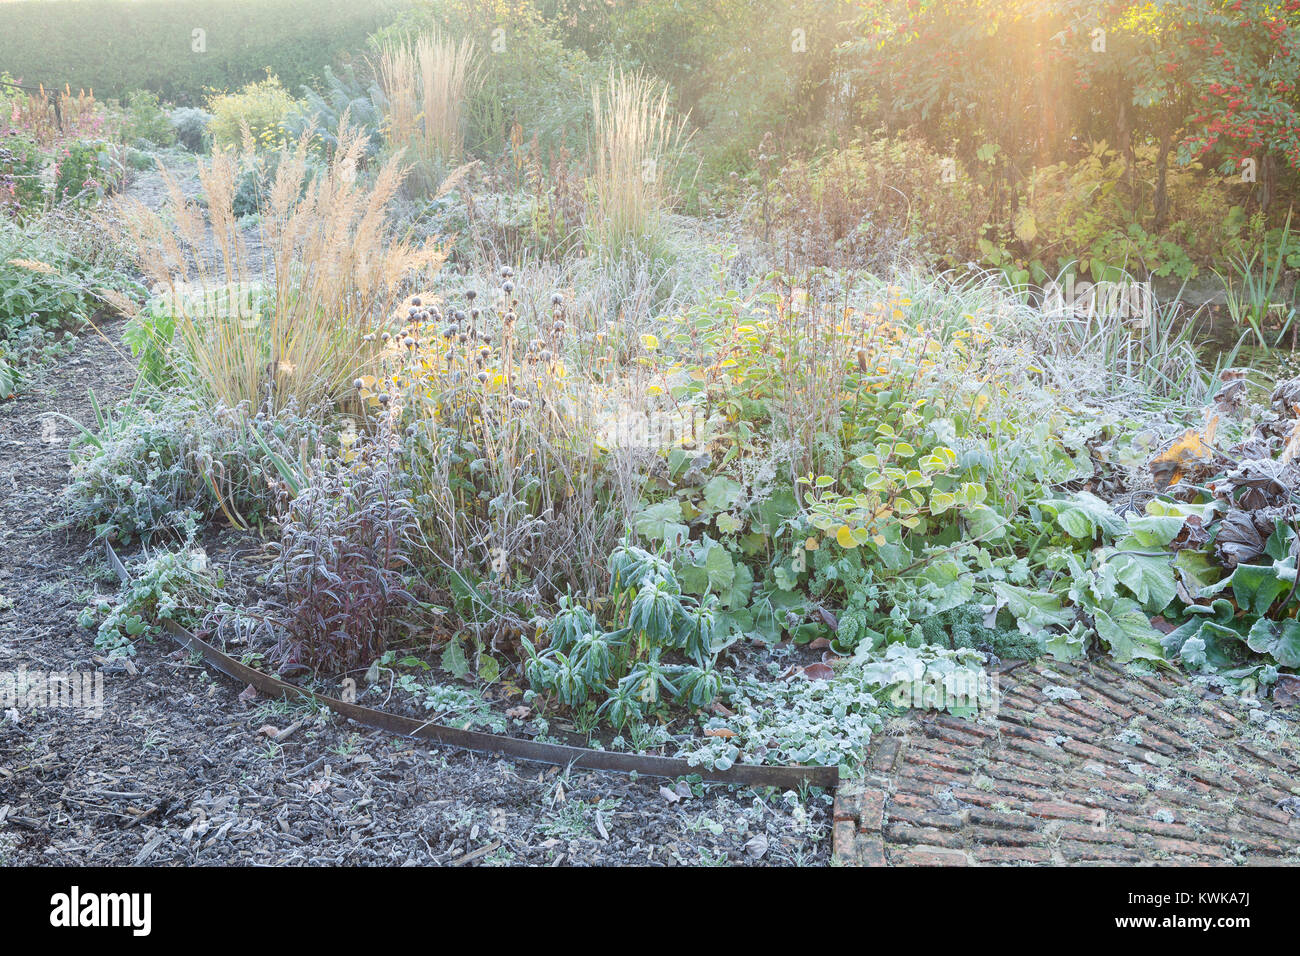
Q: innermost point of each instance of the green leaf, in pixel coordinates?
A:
(1033, 610)
(488, 669)
(454, 660)
(985, 523)
(728, 523)
(1153, 531)
(1149, 578)
(1197, 568)
(722, 493)
(1256, 586)
(774, 511)
(1068, 645)
(1084, 515)
(1282, 641)
(661, 522)
(1128, 632)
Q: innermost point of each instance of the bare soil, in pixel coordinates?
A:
(180, 768)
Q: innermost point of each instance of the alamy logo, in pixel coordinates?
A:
(1123, 300)
(75, 909)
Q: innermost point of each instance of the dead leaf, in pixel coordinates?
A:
(669, 795)
(1187, 458)
(1287, 691)
(723, 732)
(818, 671)
(519, 712)
(248, 693)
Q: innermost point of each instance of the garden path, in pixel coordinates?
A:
(1078, 764)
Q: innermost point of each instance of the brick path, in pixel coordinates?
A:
(1083, 764)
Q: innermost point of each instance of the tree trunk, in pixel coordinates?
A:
(1162, 189)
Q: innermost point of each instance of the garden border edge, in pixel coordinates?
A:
(481, 742)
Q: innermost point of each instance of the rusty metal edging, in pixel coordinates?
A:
(481, 742)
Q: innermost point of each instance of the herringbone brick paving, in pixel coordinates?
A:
(1081, 764)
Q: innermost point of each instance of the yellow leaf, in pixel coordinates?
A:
(845, 537)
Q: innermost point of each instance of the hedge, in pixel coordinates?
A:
(117, 46)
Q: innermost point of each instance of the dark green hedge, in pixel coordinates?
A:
(117, 46)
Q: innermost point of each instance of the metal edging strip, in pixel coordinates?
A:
(481, 742)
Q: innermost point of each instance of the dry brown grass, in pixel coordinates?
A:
(425, 84)
(307, 329)
(636, 152)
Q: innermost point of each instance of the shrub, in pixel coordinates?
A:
(875, 205)
(51, 118)
(342, 96)
(167, 586)
(148, 471)
(192, 128)
(116, 46)
(515, 490)
(661, 647)
(21, 193)
(41, 283)
(260, 107)
(85, 172)
(146, 123)
(345, 547)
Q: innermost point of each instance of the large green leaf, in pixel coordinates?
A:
(721, 493)
(1033, 610)
(1128, 632)
(661, 522)
(1150, 578)
(1257, 586)
(1153, 531)
(1084, 515)
(1281, 640)
(715, 573)
(775, 510)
